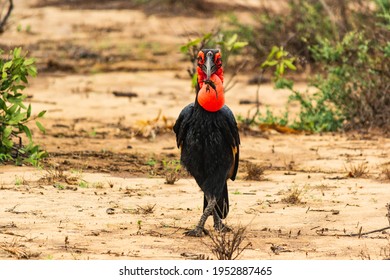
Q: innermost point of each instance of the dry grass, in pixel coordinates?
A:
(385, 251)
(254, 172)
(228, 245)
(17, 250)
(147, 209)
(57, 175)
(386, 173)
(172, 171)
(293, 196)
(191, 256)
(357, 170)
(171, 178)
(151, 128)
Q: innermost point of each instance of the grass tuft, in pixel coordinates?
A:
(357, 170)
(228, 245)
(254, 172)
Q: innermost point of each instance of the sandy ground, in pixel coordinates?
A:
(102, 193)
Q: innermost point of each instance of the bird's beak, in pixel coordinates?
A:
(209, 66)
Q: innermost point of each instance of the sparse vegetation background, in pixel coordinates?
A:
(342, 45)
(89, 167)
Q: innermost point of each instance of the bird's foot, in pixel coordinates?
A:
(221, 227)
(197, 232)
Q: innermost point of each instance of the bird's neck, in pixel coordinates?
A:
(202, 76)
(211, 93)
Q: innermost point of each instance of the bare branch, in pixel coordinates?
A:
(4, 20)
(235, 73)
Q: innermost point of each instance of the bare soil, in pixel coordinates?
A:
(101, 193)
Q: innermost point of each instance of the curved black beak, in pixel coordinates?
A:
(209, 66)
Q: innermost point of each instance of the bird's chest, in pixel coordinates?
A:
(204, 135)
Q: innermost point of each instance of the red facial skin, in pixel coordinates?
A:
(211, 100)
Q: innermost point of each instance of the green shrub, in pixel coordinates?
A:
(356, 79)
(296, 28)
(351, 54)
(14, 114)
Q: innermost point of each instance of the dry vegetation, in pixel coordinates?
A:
(293, 195)
(358, 170)
(229, 244)
(254, 171)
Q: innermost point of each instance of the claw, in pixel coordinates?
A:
(222, 227)
(197, 232)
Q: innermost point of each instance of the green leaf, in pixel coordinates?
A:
(268, 63)
(24, 79)
(7, 143)
(194, 80)
(279, 54)
(29, 61)
(29, 111)
(32, 71)
(16, 118)
(290, 65)
(12, 109)
(17, 52)
(7, 65)
(282, 83)
(232, 40)
(7, 132)
(28, 132)
(273, 52)
(239, 45)
(280, 69)
(41, 127)
(41, 114)
(184, 49)
(3, 106)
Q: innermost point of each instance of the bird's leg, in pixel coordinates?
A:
(199, 229)
(218, 225)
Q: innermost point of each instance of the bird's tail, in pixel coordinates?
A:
(222, 206)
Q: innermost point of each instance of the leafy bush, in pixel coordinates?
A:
(14, 114)
(353, 92)
(350, 50)
(296, 28)
(357, 79)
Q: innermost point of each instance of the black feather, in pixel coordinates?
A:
(207, 140)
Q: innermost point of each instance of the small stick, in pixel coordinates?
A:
(360, 233)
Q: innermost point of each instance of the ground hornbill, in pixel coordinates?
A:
(207, 134)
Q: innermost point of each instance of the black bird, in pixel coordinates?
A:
(207, 133)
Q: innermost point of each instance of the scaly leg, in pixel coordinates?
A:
(199, 229)
(218, 225)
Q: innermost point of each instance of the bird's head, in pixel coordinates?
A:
(209, 63)
(210, 78)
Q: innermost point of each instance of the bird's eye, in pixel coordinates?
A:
(218, 60)
(200, 57)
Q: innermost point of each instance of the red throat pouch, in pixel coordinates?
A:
(211, 96)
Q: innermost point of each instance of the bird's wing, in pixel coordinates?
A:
(233, 137)
(180, 127)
